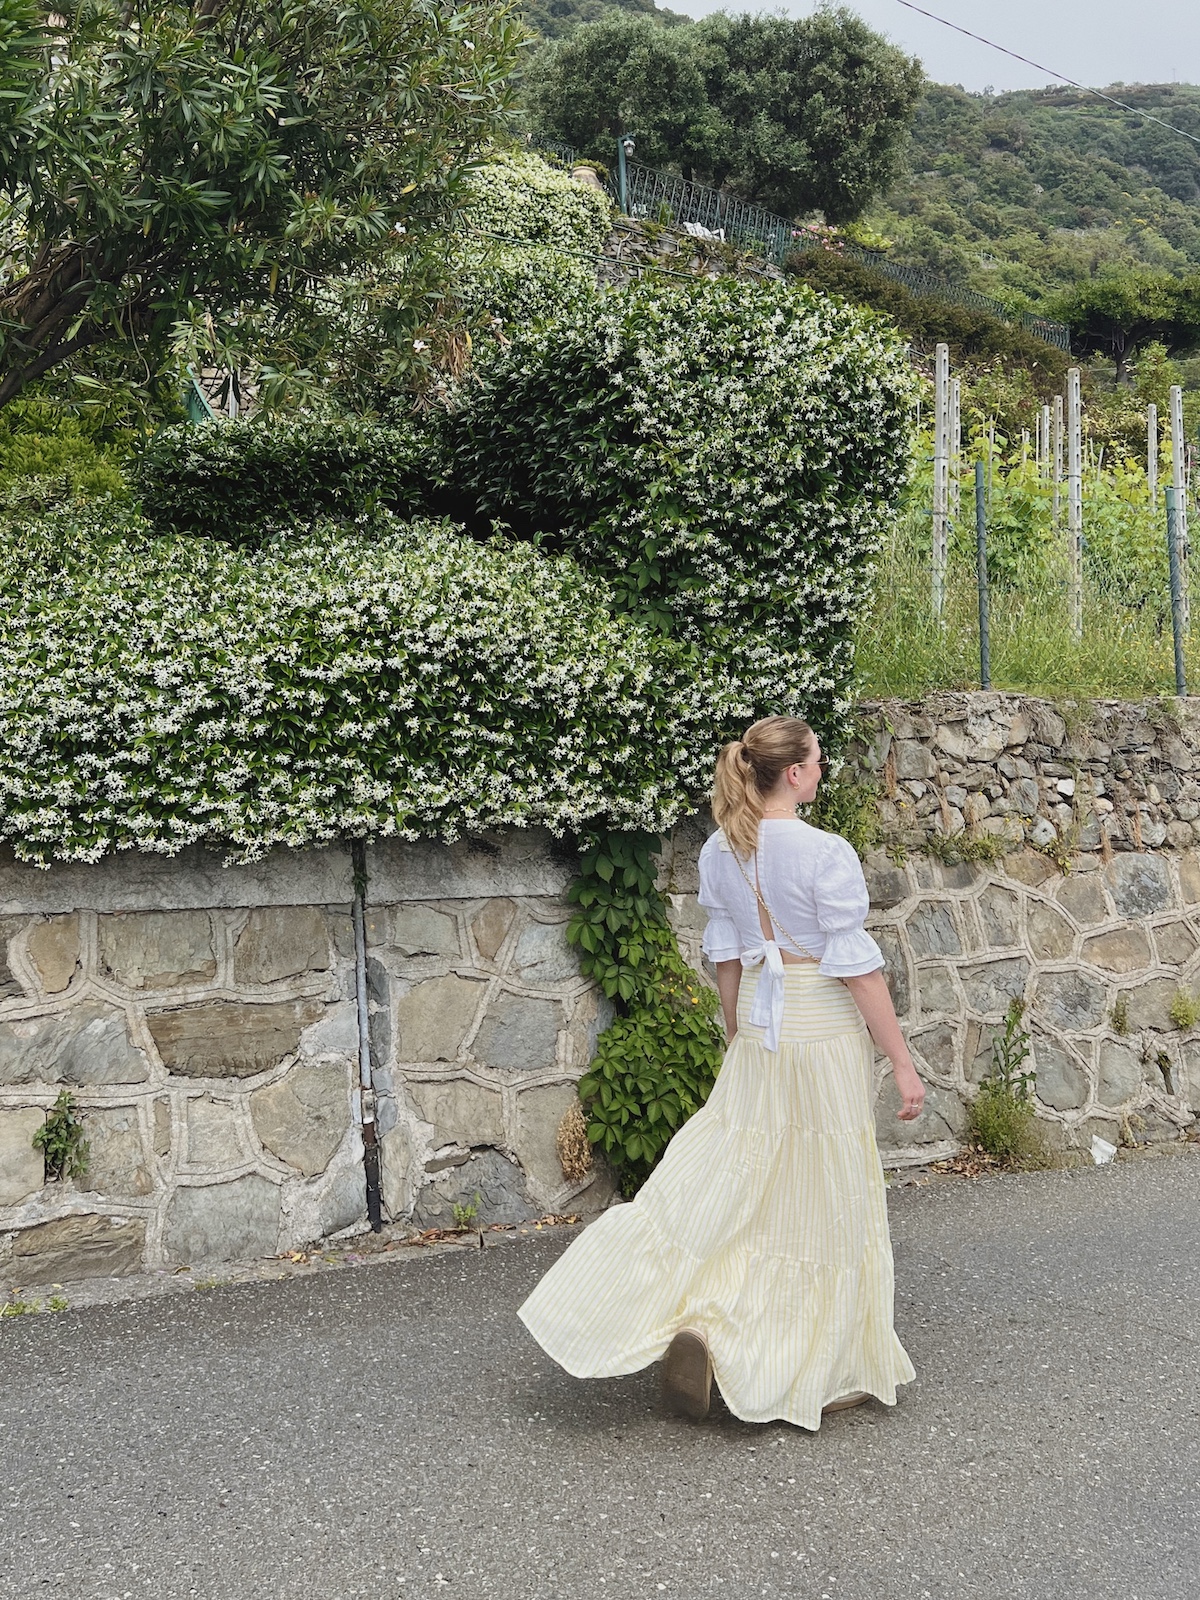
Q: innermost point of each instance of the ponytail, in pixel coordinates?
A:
(737, 802)
(748, 769)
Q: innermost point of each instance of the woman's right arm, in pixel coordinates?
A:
(729, 978)
(873, 999)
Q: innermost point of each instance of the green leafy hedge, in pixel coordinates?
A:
(723, 454)
(239, 480)
(387, 679)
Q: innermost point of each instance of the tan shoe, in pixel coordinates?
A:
(687, 1375)
(845, 1402)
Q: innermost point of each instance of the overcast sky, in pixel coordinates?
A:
(1098, 42)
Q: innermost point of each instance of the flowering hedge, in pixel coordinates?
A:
(385, 678)
(239, 480)
(724, 454)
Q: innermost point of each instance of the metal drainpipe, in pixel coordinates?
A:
(366, 1086)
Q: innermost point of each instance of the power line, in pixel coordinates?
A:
(1049, 71)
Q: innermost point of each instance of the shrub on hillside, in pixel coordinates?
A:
(972, 335)
(385, 679)
(725, 455)
(237, 481)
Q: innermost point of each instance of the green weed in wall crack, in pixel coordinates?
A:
(657, 1062)
(61, 1141)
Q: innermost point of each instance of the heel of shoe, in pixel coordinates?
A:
(687, 1376)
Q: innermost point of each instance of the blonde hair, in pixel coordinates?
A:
(749, 768)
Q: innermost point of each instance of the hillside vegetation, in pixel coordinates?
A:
(1022, 194)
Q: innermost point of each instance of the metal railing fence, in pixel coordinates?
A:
(657, 196)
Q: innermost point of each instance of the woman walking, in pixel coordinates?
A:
(757, 1252)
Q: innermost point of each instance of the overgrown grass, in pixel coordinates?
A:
(1125, 651)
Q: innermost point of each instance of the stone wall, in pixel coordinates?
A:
(204, 1016)
(1049, 854)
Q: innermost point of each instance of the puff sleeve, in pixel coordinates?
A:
(842, 906)
(721, 941)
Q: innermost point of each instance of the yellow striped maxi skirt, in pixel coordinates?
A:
(764, 1227)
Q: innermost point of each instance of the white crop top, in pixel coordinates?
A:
(812, 881)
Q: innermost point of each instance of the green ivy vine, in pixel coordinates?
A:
(656, 1063)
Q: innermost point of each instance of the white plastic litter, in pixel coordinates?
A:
(1102, 1151)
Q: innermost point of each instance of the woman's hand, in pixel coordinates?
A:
(912, 1090)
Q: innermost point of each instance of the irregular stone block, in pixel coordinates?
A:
(1149, 1005)
(344, 1200)
(89, 1044)
(162, 1127)
(943, 1116)
(157, 949)
(435, 1016)
(10, 984)
(1029, 867)
(1189, 877)
(961, 874)
(336, 1034)
(1025, 797)
(396, 1163)
(938, 1048)
(543, 955)
(223, 1221)
(1120, 950)
(22, 1170)
(117, 1162)
(229, 1039)
(991, 986)
(895, 969)
(1061, 1080)
(887, 884)
(1000, 913)
(1175, 943)
(1120, 1073)
(78, 1247)
(520, 1034)
(913, 760)
(937, 989)
(212, 1134)
(509, 861)
(461, 1112)
(1050, 935)
(1050, 728)
(539, 1112)
(1140, 884)
(489, 927)
(591, 1014)
(933, 931)
(280, 942)
(421, 931)
(53, 948)
(1083, 898)
(304, 1117)
(1069, 1000)
(489, 1181)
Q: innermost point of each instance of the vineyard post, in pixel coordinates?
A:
(981, 577)
(941, 464)
(1044, 443)
(1075, 499)
(1177, 622)
(1152, 454)
(1058, 454)
(1179, 484)
(954, 502)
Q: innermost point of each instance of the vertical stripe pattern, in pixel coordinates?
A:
(764, 1227)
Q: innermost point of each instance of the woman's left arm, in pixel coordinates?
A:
(729, 978)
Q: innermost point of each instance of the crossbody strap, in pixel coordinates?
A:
(771, 917)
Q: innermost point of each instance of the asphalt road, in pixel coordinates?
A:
(392, 1431)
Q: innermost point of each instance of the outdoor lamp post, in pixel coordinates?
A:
(625, 149)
